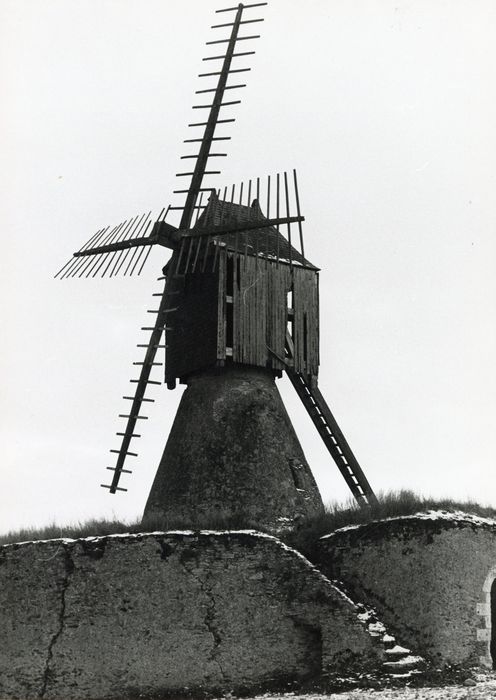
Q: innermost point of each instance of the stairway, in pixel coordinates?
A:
(398, 662)
(333, 438)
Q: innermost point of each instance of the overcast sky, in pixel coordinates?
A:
(386, 108)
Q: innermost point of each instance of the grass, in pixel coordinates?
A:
(303, 537)
(390, 505)
(97, 528)
(393, 504)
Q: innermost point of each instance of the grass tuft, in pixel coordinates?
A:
(93, 528)
(98, 528)
(390, 505)
(303, 537)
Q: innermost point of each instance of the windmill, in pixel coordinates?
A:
(239, 307)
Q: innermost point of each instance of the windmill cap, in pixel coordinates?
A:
(264, 241)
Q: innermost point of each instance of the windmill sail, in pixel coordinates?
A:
(239, 288)
(107, 251)
(143, 382)
(185, 251)
(204, 154)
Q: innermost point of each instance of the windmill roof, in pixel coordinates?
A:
(264, 241)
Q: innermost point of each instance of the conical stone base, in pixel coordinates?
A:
(233, 451)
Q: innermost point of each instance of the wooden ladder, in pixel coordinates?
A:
(333, 438)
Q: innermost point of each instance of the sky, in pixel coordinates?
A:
(386, 108)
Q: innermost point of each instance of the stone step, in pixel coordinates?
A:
(399, 662)
(388, 641)
(395, 653)
(405, 664)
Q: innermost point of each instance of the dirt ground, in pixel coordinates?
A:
(484, 689)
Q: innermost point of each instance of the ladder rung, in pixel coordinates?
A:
(165, 311)
(231, 70)
(218, 58)
(210, 155)
(117, 488)
(144, 345)
(150, 364)
(131, 398)
(216, 104)
(149, 381)
(226, 41)
(132, 454)
(207, 172)
(124, 415)
(219, 121)
(231, 24)
(124, 471)
(245, 7)
(132, 434)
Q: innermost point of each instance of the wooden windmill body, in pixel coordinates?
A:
(239, 307)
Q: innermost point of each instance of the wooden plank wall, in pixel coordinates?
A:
(278, 287)
(260, 313)
(250, 300)
(306, 306)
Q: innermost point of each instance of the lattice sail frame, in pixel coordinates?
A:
(131, 234)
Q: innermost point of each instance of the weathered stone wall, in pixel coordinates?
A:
(232, 451)
(120, 616)
(429, 578)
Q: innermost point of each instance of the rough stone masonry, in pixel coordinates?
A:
(123, 616)
(429, 577)
(233, 451)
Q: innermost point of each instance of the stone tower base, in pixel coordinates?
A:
(233, 451)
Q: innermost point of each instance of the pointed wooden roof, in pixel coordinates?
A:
(264, 241)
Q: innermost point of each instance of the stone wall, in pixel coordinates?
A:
(150, 615)
(233, 452)
(429, 578)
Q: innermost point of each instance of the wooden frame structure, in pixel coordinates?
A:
(236, 289)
